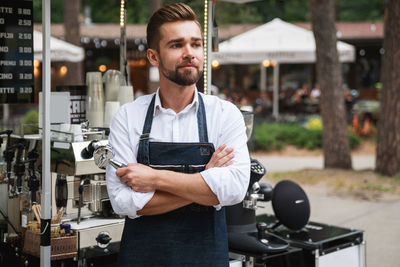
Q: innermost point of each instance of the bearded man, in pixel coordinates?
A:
(176, 184)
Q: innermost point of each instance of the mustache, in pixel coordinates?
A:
(188, 62)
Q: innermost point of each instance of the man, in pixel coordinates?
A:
(175, 186)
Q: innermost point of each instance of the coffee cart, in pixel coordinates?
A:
(74, 188)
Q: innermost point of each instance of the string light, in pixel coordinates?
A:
(122, 14)
(205, 46)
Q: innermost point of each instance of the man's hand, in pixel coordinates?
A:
(139, 177)
(221, 157)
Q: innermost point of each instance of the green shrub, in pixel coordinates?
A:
(354, 140)
(275, 135)
(272, 136)
(314, 123)
(31, 117)
(267, 141)
(310, 139)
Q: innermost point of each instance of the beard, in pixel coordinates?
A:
(180, 76)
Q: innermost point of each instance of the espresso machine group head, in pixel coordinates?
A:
(8, 156)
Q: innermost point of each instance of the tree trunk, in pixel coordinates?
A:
(336, 146)
(388, 143)
(74, 75)
(155, 5)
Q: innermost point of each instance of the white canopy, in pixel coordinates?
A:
(59, 50)
(276, 40)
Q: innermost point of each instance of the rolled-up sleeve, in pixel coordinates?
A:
(230, 183)
(124, 200)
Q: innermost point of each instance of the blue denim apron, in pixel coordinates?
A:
(193, 235)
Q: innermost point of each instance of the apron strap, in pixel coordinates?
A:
(202, 121)
(143, 152)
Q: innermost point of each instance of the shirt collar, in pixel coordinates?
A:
(158, 107)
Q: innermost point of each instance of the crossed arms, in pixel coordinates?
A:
(172, 189)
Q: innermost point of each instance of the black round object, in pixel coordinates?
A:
(266, 190)
(88, 151)
(291, 205)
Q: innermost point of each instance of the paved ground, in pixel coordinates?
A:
(379, 220)
(285, 163)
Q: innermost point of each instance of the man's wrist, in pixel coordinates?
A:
(158, 178)
(162, 180)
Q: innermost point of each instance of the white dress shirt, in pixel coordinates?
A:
(225, 125)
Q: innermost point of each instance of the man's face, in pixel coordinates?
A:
(181, 52)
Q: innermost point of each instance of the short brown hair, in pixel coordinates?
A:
(169, 13)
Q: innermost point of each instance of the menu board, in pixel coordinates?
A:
(16, 51)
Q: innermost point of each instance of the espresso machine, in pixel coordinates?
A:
(78, 192)
(80, 189)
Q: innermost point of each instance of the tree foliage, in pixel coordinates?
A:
(56, 11)
(107, 11)
(360, 10)
(102, 11)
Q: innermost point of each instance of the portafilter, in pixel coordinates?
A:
(102, 155)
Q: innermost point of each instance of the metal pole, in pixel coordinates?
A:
(316, 257)
(6, 113)
(123, 62)
(45, 249)
(275, 111)
(263, 78)
(362, 254)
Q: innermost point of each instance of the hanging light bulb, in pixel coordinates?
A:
(266, 63)
(102, 68)
(63, 70)
(215, 64)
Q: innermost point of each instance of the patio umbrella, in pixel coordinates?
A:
(276, 41)
(59, 50)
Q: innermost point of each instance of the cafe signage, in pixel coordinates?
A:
(16, 51)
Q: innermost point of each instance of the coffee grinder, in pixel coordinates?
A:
(245, 235)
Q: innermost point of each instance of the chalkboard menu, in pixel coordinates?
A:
(16, 51)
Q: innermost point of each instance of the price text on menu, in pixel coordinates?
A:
(16, 51)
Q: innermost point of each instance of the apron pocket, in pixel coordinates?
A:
(176, 168)
(196, 168)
